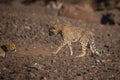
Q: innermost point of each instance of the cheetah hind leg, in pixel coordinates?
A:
(83, 52)
(93, 48)
(84, 42)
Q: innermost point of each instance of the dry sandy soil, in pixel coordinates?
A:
(27, 26)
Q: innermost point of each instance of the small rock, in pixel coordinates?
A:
(27, 27)
(51, 47)
(34, 47)
(6, 69)
(55, 71)
(2, 53)
(98, 61)
(38, 66)
(32, 74)
(0, 72)
(53, 61)
(79, 78)
(108, 60)
(43, 78)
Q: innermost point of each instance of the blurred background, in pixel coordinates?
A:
(26, 23)
(108, 9)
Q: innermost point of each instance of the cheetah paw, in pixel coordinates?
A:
(82, 55)
(54, 53)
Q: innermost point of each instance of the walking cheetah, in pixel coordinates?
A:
(4, 47)
(73, 34)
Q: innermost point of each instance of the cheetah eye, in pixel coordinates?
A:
(53, 27)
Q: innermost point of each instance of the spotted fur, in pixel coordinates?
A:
(72, 34)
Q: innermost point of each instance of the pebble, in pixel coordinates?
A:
(55, 71)
(27, 27)
(79, 78)
(44, 78)
(38, 66)
(32, 74)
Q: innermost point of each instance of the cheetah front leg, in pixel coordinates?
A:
(83, 52)
(59, 48)
(70, 47)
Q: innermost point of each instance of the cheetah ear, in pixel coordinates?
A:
(57, 20)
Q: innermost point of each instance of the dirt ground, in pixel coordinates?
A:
(27, 26)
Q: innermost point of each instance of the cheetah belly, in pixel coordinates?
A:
(70, 36)
(74, 38)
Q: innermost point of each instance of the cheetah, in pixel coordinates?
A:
(4, 47)
(72, 34)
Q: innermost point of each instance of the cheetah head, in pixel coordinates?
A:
(55, 29)
(11, 47)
